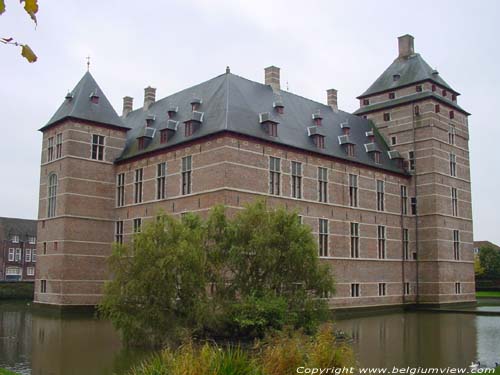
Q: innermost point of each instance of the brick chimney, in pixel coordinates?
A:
(405, 43)
(331, 99)
(128, 105)
(149, 97)
(272, 77)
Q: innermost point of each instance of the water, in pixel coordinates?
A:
(35, 343)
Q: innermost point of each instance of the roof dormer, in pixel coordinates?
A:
(193, 123)
(145, 136)
(278, 104)
(317, 118)
(172, 110)
(316, 133)
(269, 124)
(196, 103)
(167, 130)
(94, 97)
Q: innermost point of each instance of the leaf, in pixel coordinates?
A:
(28, 54)
(2, 6)
(31, 7)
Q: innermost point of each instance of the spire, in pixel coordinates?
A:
(87, 102)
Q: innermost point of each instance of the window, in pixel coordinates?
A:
(454, 201)
(456, 245)
(392, 95)
(52, 195)
(43, 286)
(380, 195)
(161, 171)
(11, 255)
(452, 131)
(416, 110)
(141, 143)
(366, 101)
(322, 184)
(396, 77)
(137, 225)
(404, 200)
(406, 244)
(19, 255)
(50, 149)
(44, 248)
(188, 128)
(58, 145)
(452, 115)
(394, 140)
(274, 175)
(453, 165)
(296, 179)
(458, 288)
(411, 159)
(444, 93)
(376, 157)
(32, 240)
(119, 232)
(30, 271)
(407, 288)
(437, 108)
(323, 237)
(354, 240)
(350, 149)
(15, 238)
(97, 147)
(354, 290)
(272, 129)
(33, 255)
(413, 204)
(120, 190)
(382, 289)
(353, 190)
(418, 88)
(454, 97)
(186, 175)
(138, 185)
(28, 255)
(13, 271)
(433, 88)
(387, 116)
(55, 245)
(381, 241)
(163, 136)
(319, 141)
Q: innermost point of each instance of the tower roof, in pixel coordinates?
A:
(87, 102)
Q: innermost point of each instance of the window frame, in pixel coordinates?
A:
(380, 186)
(323, 232)
(381, 242)
(161, 181)
(274, 175)
(138, 185)
(97, 149)
(52, 195)
(323, 184)
(354, 233)
(353, 190)
(186, 175)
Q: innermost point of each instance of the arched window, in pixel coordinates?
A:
(51, 194)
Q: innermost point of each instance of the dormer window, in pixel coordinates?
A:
(269, 125)
(418, 88)
(172, 110)
(366, 101)
(396, 77)
(272, 129)
(346, 131)
(164, 136)
(317, 118)
(140, 143)
(15, 238)
(444, 93)
(195, 104)
(319, 141)
(350, 149)
(454, 97)
(94, 97)
(452, 115)
(376, 157)
(278, 105)
(392, 95)
(149, 120)
(188, 128)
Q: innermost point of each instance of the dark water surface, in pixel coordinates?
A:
(32, 342)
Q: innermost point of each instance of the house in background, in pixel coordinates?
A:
(17, 249)
(479, 244)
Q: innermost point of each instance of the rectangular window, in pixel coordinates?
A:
(322, 184)
(97, 147)
(354, 240)
(296, 179)
(453, 165)
(137, 225)
(366, 101)
(11, 255)
(43, 286)
(454, 201)
(411, 158)
(376, 157)
(392, 95)
(19, 255)
(387, 116)
(138, 177)
(407, 288)
(452, 115)
(273, 129)
(394, 140)
(350, 149)
(406, 244)
(413, 203)
(319, 140)
(274, 175)
(119, 232)
(456, 245)
(44, 248)
(437, 108)
(404, 200)
(15, 238)
(163, 136)
(353, 190)
(418, 88)
(58, 145)
(445, 93)
(50, 149)
(382, 289)
(32, 240)
(323, 237)
(186, 175)
(452, 131)
(188, 128)
(33, 255)
(381, 241)
(30, 271)
(458, 288)
(380, 195)
(354, 290)
(161, 172)
(120, 190)
(28, 255)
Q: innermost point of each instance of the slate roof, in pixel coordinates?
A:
(233, 103)
(411, 69)
(24, 228)
(78, 104)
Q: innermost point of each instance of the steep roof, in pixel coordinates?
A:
(233, 103)
(24, 228)
(78, 105)
(411, 69)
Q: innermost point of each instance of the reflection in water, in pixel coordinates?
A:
(34, 343)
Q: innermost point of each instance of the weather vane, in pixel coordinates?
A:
(88, 63)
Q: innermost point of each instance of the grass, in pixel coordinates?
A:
(7, 372)
(488, 293)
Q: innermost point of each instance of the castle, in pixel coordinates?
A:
(386, 190)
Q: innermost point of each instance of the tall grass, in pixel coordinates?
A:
(280, 354)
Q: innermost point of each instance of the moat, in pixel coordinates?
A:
(32, 342)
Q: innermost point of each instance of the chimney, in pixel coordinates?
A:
(128, 105)
(331, 99)
(272, 77)
(149, 97)
(405, 43)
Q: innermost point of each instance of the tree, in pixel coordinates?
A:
(478, 269)
(489, 258)
(222, 276)
(31, 7)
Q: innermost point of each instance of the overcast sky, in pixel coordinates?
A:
(175, 44)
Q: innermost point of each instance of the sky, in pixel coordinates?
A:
(174, 44)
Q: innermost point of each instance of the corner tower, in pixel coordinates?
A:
(76, 217)
(418, 114)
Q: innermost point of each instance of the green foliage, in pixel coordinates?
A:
(488, 293)
(7, 372)
(478, 269)
(17, 290)
(489, 258)
(239, 276)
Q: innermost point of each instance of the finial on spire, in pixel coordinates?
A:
(228, 70)
(88, 63)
